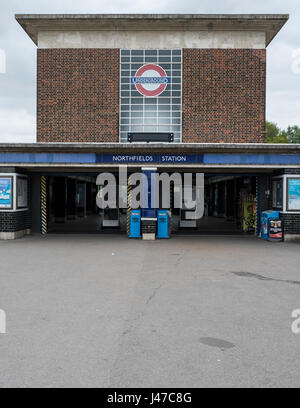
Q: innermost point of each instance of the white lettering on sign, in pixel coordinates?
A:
(173, 158)
(125, 158)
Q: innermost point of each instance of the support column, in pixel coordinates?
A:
(88, 198)
(81, 192)
(129, 188)
(221, 200)
(230, 200)
(71, 199)
(60, 199)
(149, 215)
(43, 206)
(236, 199)
(257, 224)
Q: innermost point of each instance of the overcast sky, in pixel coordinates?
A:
(18, 84)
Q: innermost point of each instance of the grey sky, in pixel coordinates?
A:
(18, 84)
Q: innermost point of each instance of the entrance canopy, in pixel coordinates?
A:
(92, 156)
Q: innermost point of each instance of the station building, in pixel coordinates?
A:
(170, 93)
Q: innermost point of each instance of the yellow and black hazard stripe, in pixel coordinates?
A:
(129, 188)
(43, 217)
(257, 206)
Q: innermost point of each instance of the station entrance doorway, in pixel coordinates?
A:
(231, 206)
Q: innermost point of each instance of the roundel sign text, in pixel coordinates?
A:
(150, 80)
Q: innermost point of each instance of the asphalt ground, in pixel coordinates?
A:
(191, 311)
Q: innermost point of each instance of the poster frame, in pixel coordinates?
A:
(11, 193)
(17, 204)
(287, 194)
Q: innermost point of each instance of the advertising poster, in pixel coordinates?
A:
(6, 192)
(22, 190)
(276, 229)
(293, 194)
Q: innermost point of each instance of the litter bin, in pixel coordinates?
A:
(271, 226)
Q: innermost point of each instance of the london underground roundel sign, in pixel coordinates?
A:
(150, 80)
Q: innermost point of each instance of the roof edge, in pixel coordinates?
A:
(152, 147)
(32, 23)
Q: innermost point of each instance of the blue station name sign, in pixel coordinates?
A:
(149, 158)
(136, 158)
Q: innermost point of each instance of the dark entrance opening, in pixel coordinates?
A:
(71, 204)
(72, 207)
(230, 206)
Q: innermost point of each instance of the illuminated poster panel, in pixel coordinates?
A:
(6, 192)
(293, 194)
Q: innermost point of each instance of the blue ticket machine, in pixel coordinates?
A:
(135, 224)
(271, 226)
(162, 224)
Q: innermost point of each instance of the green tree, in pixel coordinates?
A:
(293, 134)
(274, 134)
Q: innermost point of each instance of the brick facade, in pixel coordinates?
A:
(78, 95)
(291, 224)
(13, 221)
(223, 95)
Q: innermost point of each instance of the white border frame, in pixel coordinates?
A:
(284, 177)
(12, 194)
(27, 188)
(14, 209)
(181, 82)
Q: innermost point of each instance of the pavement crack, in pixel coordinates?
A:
(265, 278)
(153, 294)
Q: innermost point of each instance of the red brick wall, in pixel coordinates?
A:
(78, 95)
(223, 95)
